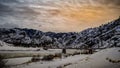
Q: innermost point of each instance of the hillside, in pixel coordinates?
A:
(109, 34)
(109, 59)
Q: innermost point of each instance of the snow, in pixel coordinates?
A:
(7, 48)
(99, 60)
(2, 43)
(4, 46)
(20, 50)
(16, 61)
(56, 63)
(43, 64)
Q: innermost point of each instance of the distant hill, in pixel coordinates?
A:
(107, 35)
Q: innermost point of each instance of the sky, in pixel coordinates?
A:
(57, 15)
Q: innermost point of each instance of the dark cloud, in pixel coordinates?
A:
(4, 8)
(108, 2)
(8, 25)
(9, 1)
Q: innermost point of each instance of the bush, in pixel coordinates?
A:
(38, 50)
(113, 61)
(45, 48)
(48, 58)
(2, 62)
(35, 59)
(58, 55)
(89, 51)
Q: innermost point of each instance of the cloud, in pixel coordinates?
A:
(4, 8)
(8, 25)
(57, 15)
(106, 2)
(9, 1)
(14, 7)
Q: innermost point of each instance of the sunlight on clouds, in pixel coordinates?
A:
(73, 15)
(59, 15)
(76, 15)
(89, 14)
(85, 17)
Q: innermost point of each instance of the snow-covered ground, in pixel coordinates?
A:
(56, 63)
(17, 61)
(108, 58)
(5, 46)
(17, 52)
(45, 64)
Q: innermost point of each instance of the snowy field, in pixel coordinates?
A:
(44, 64)
(19, 57)
(107, 58)
(17, 52)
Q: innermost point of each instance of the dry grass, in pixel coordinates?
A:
(17, 55)
(113, 61)
(48, 58)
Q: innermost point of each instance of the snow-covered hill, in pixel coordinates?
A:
(109, 34)
(108, 58)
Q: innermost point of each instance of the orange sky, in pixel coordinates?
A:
(80, 18)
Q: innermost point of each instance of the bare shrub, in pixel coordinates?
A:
(113, 61)
(45, 48)
(48, 58)
(2, 62)
(35, 59)
(58, 55)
